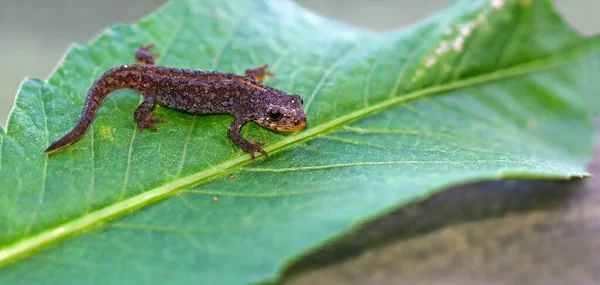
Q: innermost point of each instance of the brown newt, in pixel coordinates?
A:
(197, 92)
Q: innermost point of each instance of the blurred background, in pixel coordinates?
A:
(34, 34)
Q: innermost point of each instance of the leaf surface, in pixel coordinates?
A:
(481, 90)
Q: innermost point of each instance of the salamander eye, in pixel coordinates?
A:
(274, 115)
(301, 101)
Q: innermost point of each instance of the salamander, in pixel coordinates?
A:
(193, 91)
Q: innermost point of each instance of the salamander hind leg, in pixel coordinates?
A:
(143, 55)
(258, 73)
(143, 115)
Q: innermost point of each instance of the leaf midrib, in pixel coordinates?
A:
(28, 245)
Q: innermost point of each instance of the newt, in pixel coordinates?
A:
(193, 91)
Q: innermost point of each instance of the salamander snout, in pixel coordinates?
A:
(284, 122)
(283, 117)
(297, 125)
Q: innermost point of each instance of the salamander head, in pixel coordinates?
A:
(282, 113)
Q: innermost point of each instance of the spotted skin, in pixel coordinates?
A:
(197, 92)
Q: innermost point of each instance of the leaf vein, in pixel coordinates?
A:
(26, 245)
(45, 168)
(93, 163)
(404, 67)
(366, 90)
(269, 195)
(277, 62)
(367, 163)
(185, 145)
(326, 75)
(169, 45)
(128, 164)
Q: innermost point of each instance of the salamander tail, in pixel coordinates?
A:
(72, 136)
(99, 90)
(84, 123)
(59, 144)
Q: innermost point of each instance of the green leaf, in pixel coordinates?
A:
(482, 90)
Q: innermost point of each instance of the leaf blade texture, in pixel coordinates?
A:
(481, 90)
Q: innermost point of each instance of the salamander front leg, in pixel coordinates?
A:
(234, 134)
(143, 115)
(258, 73)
